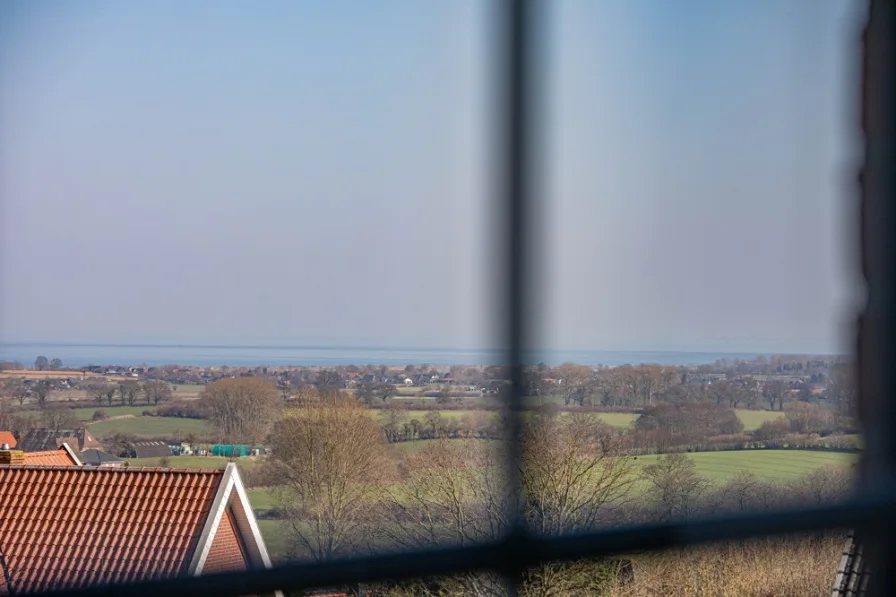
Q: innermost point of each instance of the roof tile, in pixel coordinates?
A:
(6, 437)
(75, 526)
(59, 457)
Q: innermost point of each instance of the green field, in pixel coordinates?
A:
(771, 465)
(182, 462)
(717, 467)
(752, 419)
(614, 419)
(186, 390)
(275, 537)
(86, 413)
(261, 499)
(151, 427)
(618, 419)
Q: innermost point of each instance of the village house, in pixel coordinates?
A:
(8, 439)
(64, 456)
(75, 526)
(94, 457)
(150, 449)
(41, 440)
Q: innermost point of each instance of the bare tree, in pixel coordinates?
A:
(433, 420)
(445, 394)
(56, 363)
(825, 484)
(574, 471)
(17, 389)
(370, 392)
(740, 492)
(842, 387)
(109, 391)
(574, 382)
(675, 485)
(573, 474)
(776, 393)
(328, 456)
(241, 409)
(329, 379)
(156, 391)
(393, 421)
(455, 494)
(41, 363)
(128, 392)
(57, 418)
(96, 391)
(41, 392)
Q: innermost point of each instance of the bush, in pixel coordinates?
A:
(685, 423)
(770, 430)
(181, 410)
(99, 415)
(148, 413)
(810, 418)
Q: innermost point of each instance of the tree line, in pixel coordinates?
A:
(341, 492)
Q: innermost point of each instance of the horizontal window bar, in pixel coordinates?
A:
(875, 507)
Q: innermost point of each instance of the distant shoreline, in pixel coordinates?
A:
(81, 355)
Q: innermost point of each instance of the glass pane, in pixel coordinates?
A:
(259, 235)
(701, 285)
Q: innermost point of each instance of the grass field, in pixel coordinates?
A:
(261, 499)
(752, 419)
(86, 413)
(771, 465)
(151, 427)
(275, 537)
(184, 391)
(717, 467)
(182, 462)
(614, 419)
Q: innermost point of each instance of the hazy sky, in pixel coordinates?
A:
(318, 172)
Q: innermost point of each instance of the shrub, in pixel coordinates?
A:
(181, 410)
(685, 423)
(99, 415)
(774, 429)
(148, 413)
(810, 418)
(257, 476)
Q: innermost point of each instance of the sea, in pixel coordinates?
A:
(81, 355)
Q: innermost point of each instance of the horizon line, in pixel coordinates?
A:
(405, 348)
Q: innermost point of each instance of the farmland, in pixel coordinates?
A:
(716, 467)
(752, 419)
(770, 465)
(151, 427)
(182, 462)
(147, 426)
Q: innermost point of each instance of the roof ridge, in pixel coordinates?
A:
(125, 469)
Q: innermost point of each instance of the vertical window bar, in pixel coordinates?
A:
(514, 143)
(877, 324)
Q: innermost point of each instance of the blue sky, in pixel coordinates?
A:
(319, 172)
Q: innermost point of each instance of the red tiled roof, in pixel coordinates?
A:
(77, 526)
(6, 437)
(59, 457)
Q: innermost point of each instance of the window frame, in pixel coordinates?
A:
(872, 509)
